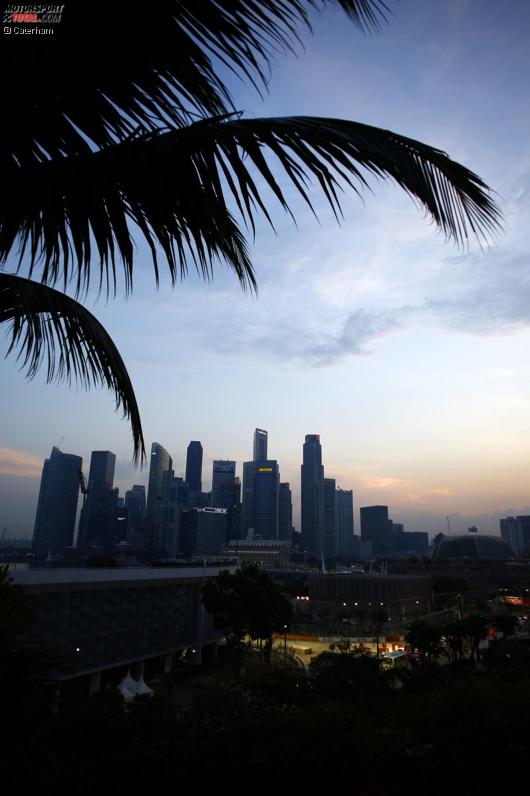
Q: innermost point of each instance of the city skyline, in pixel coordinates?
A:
(404, 353)
(362, 496)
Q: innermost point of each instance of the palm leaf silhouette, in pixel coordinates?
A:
(131, 131)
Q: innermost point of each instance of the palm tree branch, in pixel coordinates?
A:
(176, 80)
(175, 188)
(49, 327)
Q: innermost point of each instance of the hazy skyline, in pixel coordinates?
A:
(406, 355)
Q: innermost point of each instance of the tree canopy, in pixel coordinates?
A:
(247, 602)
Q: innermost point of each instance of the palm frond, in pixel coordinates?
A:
(130, 71)
(174, 187)
(49, 327)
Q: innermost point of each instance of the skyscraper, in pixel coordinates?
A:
(101, 474)
(194, 466)
(247, 509)
(204, 531)
(223, 479)
(377, 528)
(174, 499)
(266, 489)
(135, 504)
(330, 519)
(57, 504)
(285, 513)
(98, 525)
(160, 462)
(345, 529)
(259, 451)
(312, 497)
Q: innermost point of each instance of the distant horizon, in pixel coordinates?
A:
(412, 522)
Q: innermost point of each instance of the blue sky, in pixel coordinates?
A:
(407, 355)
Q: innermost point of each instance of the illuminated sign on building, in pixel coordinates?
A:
(264, 469)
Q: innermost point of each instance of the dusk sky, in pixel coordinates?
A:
(407, 355)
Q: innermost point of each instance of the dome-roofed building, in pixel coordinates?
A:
(472, 547)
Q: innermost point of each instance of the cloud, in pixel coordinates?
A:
(353, 289)
(475, 295)
(381, 483)
(441, 491)
(15, 462)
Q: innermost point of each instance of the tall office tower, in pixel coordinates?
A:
(312, 497)
(203, 531)
(377, 529)
(330, 519)
(101, 474)
(247, 509)
(103, 523)
(135, 505)
(174, 499)
(228, 493)
(223, 475)
(228, 496)
(57, 504)
(160, 462)
(345, 529)
(285, 513)
(266, 489)
(259, 451)
(194, 466)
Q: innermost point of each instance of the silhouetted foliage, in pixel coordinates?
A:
(346, 722)
(426, 639)
(147, 142)
(247, 602)
(348, 676)
(475, 630)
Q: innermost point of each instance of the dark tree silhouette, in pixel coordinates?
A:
(247, 602)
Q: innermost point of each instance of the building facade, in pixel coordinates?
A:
(99, 524)
(135, 503)
(194, 466)
(266, 499)
(223, 479)
(346, 540)
(99, 619)
(285, 514)
(312, 497)
(160, 463)
(377, 529)
(204, 531)
(259, 449)
(330, 519)
(174, 499)
(57, 503)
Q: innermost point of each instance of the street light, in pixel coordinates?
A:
(285, 645)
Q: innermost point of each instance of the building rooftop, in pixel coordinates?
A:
(87, 575)
(472, 547)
